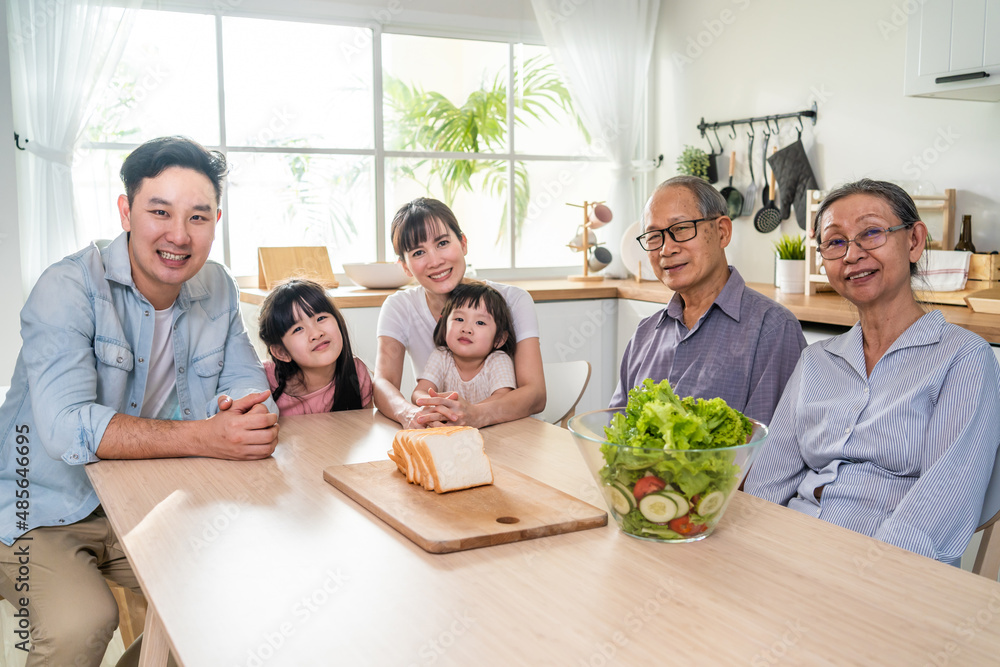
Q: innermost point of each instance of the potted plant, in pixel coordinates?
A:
(790, 252)
(693, 162)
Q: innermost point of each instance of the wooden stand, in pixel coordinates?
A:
(585, 240)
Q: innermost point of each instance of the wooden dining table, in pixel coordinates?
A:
(263, 563)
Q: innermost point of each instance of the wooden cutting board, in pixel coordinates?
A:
(515, 507)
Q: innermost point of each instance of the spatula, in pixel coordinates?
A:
(751, 193)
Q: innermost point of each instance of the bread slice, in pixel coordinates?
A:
(449, 458)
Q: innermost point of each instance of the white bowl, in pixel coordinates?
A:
(377, 275)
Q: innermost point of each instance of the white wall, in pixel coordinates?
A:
(10, 258)
(776, 56)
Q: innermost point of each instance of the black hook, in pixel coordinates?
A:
(658, 161)
(752, 131)
(711, 148)
(777, 130)
(732, 128)
(716, 131)
(17, 139)
(799, 118)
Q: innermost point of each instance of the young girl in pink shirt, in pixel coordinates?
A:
(312, 368)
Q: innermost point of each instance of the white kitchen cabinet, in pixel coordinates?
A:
(953, 50)
(572, 330)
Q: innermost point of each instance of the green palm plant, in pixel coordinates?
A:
(429, 121)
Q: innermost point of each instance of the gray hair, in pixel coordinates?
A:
(896, 197)
(711, 204)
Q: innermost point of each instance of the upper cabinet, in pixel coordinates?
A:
(953, 50)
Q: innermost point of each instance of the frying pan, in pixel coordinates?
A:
(734, 199)
(752, 188)
(713, 170)
(769, 217)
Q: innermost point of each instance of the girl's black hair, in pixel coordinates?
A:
(277, 317)
(474, 293)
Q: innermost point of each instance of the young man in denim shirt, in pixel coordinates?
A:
(129, 351)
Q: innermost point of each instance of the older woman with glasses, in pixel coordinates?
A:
(716, 337)
(890, 429)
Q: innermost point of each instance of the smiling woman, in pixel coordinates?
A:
(428, 240)
(890, 429)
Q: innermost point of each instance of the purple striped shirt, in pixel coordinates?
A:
(743, 349)
(904, 455)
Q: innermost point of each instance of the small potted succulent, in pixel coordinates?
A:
(790, 253)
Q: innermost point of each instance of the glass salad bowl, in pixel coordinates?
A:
(663, 495)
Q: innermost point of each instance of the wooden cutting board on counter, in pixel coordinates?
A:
(515, 507)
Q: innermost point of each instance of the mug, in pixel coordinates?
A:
(600, 215)
(577, 241)
(599, 258)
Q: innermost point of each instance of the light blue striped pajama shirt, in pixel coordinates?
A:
(904, 455)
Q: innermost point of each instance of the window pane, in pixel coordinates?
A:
(162, 86)
(294, 199)
(437, 90)
(481, 208)
(315, 91)
(549, 223)
(96, 186)
(546, 121)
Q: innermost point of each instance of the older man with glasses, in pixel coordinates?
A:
(716, 337)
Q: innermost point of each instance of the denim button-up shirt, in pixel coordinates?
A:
(86, 337)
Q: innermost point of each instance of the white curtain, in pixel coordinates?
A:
(603, 49)
(62, 56)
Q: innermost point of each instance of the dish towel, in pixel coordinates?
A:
(944, 271)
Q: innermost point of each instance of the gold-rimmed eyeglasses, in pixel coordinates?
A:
(871, 238)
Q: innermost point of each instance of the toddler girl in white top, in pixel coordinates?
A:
(476, 342)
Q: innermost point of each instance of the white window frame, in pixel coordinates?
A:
(349, 18)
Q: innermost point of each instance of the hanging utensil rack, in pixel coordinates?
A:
(808, 113)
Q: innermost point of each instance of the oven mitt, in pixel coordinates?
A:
(795, 176)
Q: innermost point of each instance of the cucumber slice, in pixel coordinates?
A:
(682, 503)
(660, 507)
(711, 503)
(620, 498)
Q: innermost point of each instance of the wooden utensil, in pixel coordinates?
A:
(734, 200)
(515, 507)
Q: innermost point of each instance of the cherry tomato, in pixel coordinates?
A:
(683, 526)
(646, 486)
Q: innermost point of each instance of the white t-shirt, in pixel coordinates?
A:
(160, 399)
(497, 372)
(406, 317)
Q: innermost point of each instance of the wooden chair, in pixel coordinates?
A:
(988, 557)
(131, 612)
(565, 382)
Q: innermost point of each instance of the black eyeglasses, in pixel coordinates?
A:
(871, 238)
(679, 232)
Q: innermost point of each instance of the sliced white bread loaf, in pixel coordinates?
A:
(443, 459)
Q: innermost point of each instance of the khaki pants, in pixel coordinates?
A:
(71, 611)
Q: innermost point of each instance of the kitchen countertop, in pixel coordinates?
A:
(822, 308)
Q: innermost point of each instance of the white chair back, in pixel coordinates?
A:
(565, 382)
